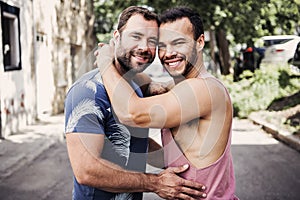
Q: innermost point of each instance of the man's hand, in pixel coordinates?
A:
(156, 88)
(104, 56)
(171, 186)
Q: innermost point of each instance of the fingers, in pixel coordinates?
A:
(96, 52)
(183, 193)
(100, 44)
(179, 169)
(112, 42)
(104, 55)
(185, 196)
(172, 186)
(188, 193)
(195, 185)
(190, 190)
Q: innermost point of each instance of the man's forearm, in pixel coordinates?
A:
(96, 172)
(93, 171)
(110, 177)
(139, 182)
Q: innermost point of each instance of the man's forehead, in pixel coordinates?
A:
(179, 27)
(138, 21)
(177, 24)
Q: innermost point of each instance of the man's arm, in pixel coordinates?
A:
(180, 105)
(143, 81)
(90, 169)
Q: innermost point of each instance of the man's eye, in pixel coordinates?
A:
(161, 46)
(136, 37)
(178, 43)
(152, 42)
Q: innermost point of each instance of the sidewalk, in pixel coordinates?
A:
(280, 134)
(20, 149)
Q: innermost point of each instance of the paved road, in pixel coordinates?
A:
(265, 169)
(48, 177)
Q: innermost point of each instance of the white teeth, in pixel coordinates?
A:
(173, 63)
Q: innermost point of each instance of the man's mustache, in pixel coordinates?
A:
(144, 54)
(183, 57)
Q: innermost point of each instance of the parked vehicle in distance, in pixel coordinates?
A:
(280, 48)
(295, 62)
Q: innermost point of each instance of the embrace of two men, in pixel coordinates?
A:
(108, 115)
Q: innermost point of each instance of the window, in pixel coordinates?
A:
(10, 37)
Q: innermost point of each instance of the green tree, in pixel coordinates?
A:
(243, 20)
(107, 12)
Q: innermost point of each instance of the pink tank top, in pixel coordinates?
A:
(218, 177)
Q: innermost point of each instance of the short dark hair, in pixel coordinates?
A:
(134, 10)
(173, 14)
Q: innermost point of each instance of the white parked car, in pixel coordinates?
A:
(279, 48)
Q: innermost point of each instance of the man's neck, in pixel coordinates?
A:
(126, 75)
(196, 70)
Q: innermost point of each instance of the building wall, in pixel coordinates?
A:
(56, 37)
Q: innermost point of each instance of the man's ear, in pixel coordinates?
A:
(201, 42)
(116, 35)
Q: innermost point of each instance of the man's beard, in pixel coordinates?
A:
(125, 60)
(190, 63)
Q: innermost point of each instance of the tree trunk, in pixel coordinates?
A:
(223, 51)
(214, 63)
(212, 45)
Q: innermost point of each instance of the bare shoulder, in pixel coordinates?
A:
(201, 83)
(209, 83)
(210, 88)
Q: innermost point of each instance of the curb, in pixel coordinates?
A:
(282, 135)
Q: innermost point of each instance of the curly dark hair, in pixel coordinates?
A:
(175, 13)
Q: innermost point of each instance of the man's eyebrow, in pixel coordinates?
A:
(180, 39)
(153, 38)
(142, 34)
(136, 33)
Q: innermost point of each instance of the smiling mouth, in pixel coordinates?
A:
(141, 59)
(173, 63)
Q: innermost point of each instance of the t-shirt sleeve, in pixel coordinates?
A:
(83, 113)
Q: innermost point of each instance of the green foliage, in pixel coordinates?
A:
(260, 89)
(245, 20)
(107, 12)
(248, 20)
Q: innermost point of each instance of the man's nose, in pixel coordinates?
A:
(143, 45)
(170, 52)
